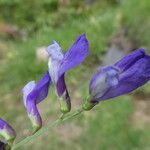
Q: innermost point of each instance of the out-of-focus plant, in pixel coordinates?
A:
(32, 14)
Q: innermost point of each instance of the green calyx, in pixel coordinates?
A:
(8, 147)
(64, 106)
(35, 127)
(8, 143)
(11, 140)
(8, 138)
(87, 105)
(36, 123)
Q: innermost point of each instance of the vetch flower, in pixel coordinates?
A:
(7, 133)
(59, 63)
(123, 77)
(32, 95)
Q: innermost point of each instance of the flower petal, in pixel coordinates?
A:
(7, 132)
(134, 77)
(27, 90)
(127, 61)
(105, 78)
(55, 60)
(40, 91)
(75, 55)
(33, 114)
(34, 94)
(125, 76)
(62, 92)
(55, 51)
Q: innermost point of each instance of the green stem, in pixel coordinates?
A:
(45, 129)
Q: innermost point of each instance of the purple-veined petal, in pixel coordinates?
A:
(75, 55)
(63, 94)
(134, 77)
(40, 90)
(33, 94)
(7, 132)
(27, 90)
(33, 114)
(127, 61)
(59, 64)
(54, 66)
(55, 52)
(101, 81)
(121, 78)
(105, 78)
(55, 60)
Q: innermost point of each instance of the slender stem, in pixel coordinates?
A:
(45, 129)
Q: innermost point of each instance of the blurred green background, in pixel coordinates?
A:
(114, 28)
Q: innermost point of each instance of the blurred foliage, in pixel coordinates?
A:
(32, 14)
(28, 14)
(135, 16)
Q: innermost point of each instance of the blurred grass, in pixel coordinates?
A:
(109, 125)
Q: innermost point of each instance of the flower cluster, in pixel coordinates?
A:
(111, 81)
(58, 64)
(117, 79)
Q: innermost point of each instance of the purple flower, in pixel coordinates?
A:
(123, 77)
(59, 63)
(7, 133)
(32, 95)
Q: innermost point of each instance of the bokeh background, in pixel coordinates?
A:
(114, 28)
